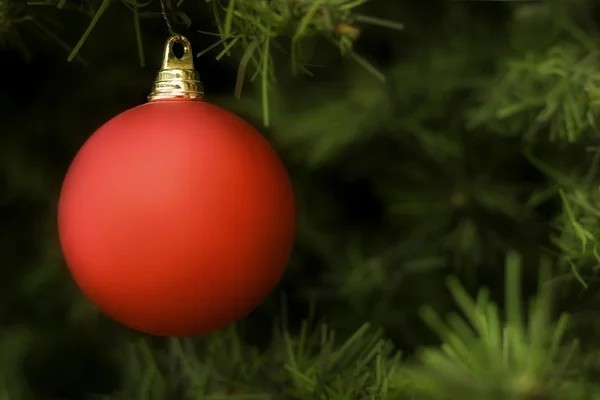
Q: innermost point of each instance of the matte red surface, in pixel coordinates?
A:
(176, 218)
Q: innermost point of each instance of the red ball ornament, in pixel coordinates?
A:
(176, 217)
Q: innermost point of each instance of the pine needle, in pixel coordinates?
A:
(103, 7)
(265, 81)
(229, 18)
(241, 73)
(227, 48)
(378, 22)
(138, 33)
(367, 66)
(212, 46)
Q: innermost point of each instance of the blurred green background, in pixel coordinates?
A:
(480, 141)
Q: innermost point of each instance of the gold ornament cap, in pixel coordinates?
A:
(177, 78)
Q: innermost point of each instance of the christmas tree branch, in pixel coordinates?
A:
(253, 26)
(483, 357)
(555, 93)
(306, 366)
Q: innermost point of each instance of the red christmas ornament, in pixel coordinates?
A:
(176, 218)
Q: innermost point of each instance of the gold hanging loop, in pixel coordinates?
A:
(177, 78)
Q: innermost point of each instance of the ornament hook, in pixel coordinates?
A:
(177, 78)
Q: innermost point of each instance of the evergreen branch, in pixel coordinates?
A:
(577, 227)
(260, 23)
(305, 367)
(578, 231)
(496, 360)
(555, 93)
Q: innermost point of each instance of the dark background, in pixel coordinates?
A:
(397, 185)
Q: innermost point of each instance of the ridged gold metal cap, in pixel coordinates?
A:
(177, 78)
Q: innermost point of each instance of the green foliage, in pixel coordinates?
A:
(15, 21)
(484, 357)
(253, 26)
(312, 365)
(557, 90)
(481, 139)
(579, 224)
(522, 356)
